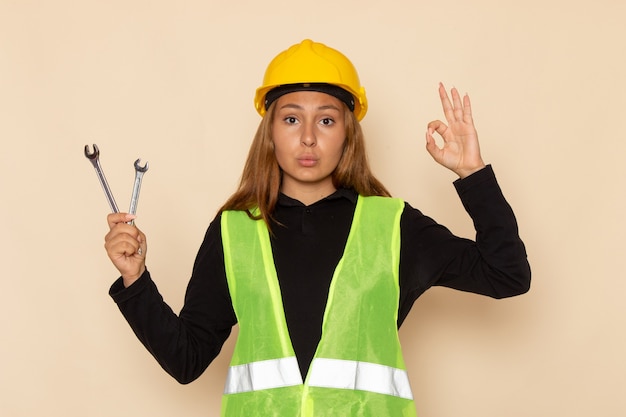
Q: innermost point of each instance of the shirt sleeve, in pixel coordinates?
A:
(185, 344)
(494, 265)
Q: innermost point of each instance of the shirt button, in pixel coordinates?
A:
(307, 211)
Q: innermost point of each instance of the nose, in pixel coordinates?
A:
(308, 138)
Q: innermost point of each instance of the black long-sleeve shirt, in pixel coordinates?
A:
(307, 245)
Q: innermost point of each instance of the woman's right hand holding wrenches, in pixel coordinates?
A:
(126, 246)
(125, 243)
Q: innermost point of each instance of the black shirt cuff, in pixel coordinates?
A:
(120, 294)
(463, 185)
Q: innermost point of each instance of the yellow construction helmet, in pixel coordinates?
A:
(312, 66)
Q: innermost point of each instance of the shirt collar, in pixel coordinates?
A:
(347, 193)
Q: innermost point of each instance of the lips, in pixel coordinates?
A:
(307, 161)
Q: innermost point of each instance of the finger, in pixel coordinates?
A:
(123, 229)
(128, 257)
(143, 245)
(439, 127)
(124, 241)
(124, 245)
(448, 110)
(117, 218)
(456, 103)
(121, 245)
(431, 146)
(467, 109)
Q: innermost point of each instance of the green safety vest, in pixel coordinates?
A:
(358, 368)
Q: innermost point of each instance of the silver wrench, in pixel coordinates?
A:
(94, 158)
(139, 171)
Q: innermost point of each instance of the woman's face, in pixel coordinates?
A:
(308, 131)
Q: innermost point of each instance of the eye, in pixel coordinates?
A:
(291, 120)
(327, 121)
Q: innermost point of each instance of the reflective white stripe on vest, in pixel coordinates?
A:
(364, 376)
(324, 373)
(255, 376)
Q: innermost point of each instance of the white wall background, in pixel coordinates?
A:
(172, 83)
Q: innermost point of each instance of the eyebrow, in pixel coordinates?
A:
(297, 106)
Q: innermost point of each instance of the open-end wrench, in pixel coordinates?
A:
(139, 171)
(94, 158)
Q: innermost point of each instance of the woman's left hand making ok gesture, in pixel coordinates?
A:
(460, 151)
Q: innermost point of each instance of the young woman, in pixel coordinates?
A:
(314, 260)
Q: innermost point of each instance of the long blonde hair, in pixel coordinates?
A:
(261, 178)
